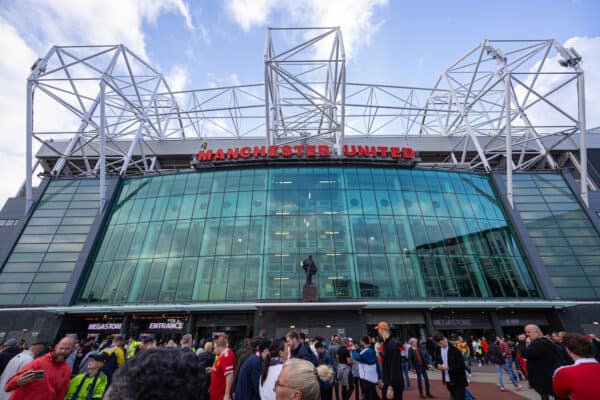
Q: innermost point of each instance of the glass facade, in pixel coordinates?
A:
(567, 242)
(42, 262)
(240, 235)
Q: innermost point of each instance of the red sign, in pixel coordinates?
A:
(309, 151)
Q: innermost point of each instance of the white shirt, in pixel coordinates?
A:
(266, 389)
(13, 366)
(444, 352)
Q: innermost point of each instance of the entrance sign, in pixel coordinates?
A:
(178, 325)
(308, 151)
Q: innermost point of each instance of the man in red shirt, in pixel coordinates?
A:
(222, 372)
(580, 380)
(45, 378)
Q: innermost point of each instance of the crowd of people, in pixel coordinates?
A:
(560, 366)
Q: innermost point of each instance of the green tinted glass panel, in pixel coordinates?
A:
(240, 235)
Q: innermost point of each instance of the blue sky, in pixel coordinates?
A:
(198, 44)
(411, 43)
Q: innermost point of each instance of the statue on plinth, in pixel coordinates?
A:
(310, 290)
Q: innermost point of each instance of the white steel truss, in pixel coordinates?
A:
(500, 99)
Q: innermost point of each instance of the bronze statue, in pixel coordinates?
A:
(310, 268)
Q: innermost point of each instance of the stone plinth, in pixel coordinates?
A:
(310, 294)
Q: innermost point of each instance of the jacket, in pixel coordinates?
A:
(412, 358)
(53, 386)
(248, 380)
(542, 360)
(392, 372)
(456, 365)
(304, 353)
(13, 366)
(367, 364)
(84, 383)
(6, 356)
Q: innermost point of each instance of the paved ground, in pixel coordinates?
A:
(483, 385)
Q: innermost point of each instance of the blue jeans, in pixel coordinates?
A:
(405, 367)
(511, 373)
(422, 374)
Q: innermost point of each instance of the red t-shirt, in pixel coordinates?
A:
(224, 366)
(578, 381)
(53, 387)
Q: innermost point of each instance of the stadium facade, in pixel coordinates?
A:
(470, 207)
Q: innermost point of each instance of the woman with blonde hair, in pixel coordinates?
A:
(301, 380)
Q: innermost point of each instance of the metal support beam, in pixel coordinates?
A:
(508, 134)
(29, 148)
(582, 139)
(102, 129)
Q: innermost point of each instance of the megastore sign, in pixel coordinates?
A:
(305, 151)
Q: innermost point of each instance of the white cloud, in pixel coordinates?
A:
(355, 17)
(29, 28)
(178, 78)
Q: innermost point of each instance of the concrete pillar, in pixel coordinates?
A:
(496, 323)
(429, 328)
(125, 326)
(190, 326)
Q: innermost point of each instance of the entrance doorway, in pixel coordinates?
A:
(236, 334)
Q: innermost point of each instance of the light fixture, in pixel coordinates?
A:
(282, 233)
(332, 254)
(282, 213)
(292, 326)
(327, 326)
(281, 279)
(596, 323)
(331, 232)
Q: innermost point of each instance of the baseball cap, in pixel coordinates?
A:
(11, 343)
(147, 339)
(382, 325)
(100, 357)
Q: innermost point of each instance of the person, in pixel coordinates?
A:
(91, 384)
(344, 372)
(247, 384)
(521, 339)
(156, 374)
(405, 363)
(579, 380)
(187, 342)
(392, 380)
(485, 349)
(324, 358)
(51, 384)
(11, 350)
(542, 360)
(333, 351)
(418, 362)
(222, 372)
(557, 338)
(206, 360)
(171, 344)
(449, 360)
(464, 349)
(133, 347)
(85, 347)
(298, 348)
(271, 367)
(116, 356)
(241, 355)
(300, 380)
(367, 368)
(17, 362)
(501, 357)
(148, 342)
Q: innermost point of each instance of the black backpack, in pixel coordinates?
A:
(111, 366)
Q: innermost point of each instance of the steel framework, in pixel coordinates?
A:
(110, 105)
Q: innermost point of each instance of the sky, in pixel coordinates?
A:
(198, 44)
